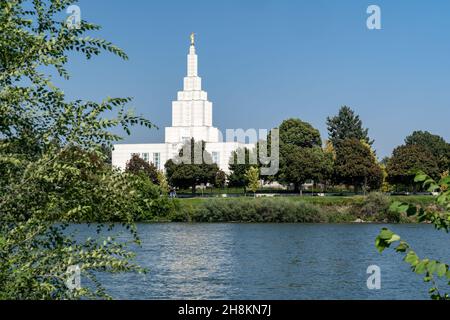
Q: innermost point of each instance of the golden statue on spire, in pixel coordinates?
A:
(192, 38)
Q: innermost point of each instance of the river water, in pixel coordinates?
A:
(272, 261)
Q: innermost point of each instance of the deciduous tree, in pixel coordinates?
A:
(221, 179)
(438, 147)
(357, 165)
(298, 165)
(301, 155)
(299, 133)
(252, 176)
(239, 163)
(406, 160)
(193, 166)
(137, 165)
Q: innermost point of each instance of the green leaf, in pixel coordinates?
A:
(432, 266)
(412, 258)
(380, 244)
(397, 206)
(420, 268)
(411, 211)
(441, 269)
(386, 234)
(402, 247)
(394, 238)
(420, 177)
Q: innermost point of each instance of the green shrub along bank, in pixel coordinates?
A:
(373, 208)
(256, 210)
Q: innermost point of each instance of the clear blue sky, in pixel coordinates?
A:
(265, 61)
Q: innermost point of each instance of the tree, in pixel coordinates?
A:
(137, 165)
(439, 215)
(406, 161)
(385, 186)
(299, 165)
(152, 202)
(107, 151)
(192, 166)
(162, 182)
(330, 149)
(252, 176)
(357, 165)
(346, 125)
(437, 146)
(301, 155)
(48, 157)
(239, 164)
(299, 133)
(221, 179)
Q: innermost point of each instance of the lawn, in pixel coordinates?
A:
(327, 201)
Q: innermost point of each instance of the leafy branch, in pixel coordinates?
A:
(439, 216)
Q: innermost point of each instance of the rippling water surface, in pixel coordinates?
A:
(272, 261)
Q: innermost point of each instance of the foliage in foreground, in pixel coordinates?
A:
(52, 165)
(439, 216)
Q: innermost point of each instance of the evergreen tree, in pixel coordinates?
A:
(346, 125)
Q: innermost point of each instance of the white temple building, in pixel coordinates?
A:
(192, 117)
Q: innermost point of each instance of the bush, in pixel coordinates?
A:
(153, 204)
(375, 203)
(376, 208)
(339, 214)
(256, 210)
(392, 217)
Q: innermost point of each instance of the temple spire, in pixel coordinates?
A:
(192, 59)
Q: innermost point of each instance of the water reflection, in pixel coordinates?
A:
(272, 261)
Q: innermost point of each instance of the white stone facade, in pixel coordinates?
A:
(192, 117)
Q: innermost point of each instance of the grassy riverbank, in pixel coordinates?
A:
(323, 201)
(373, 208)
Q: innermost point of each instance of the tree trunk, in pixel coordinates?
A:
(365, 185)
